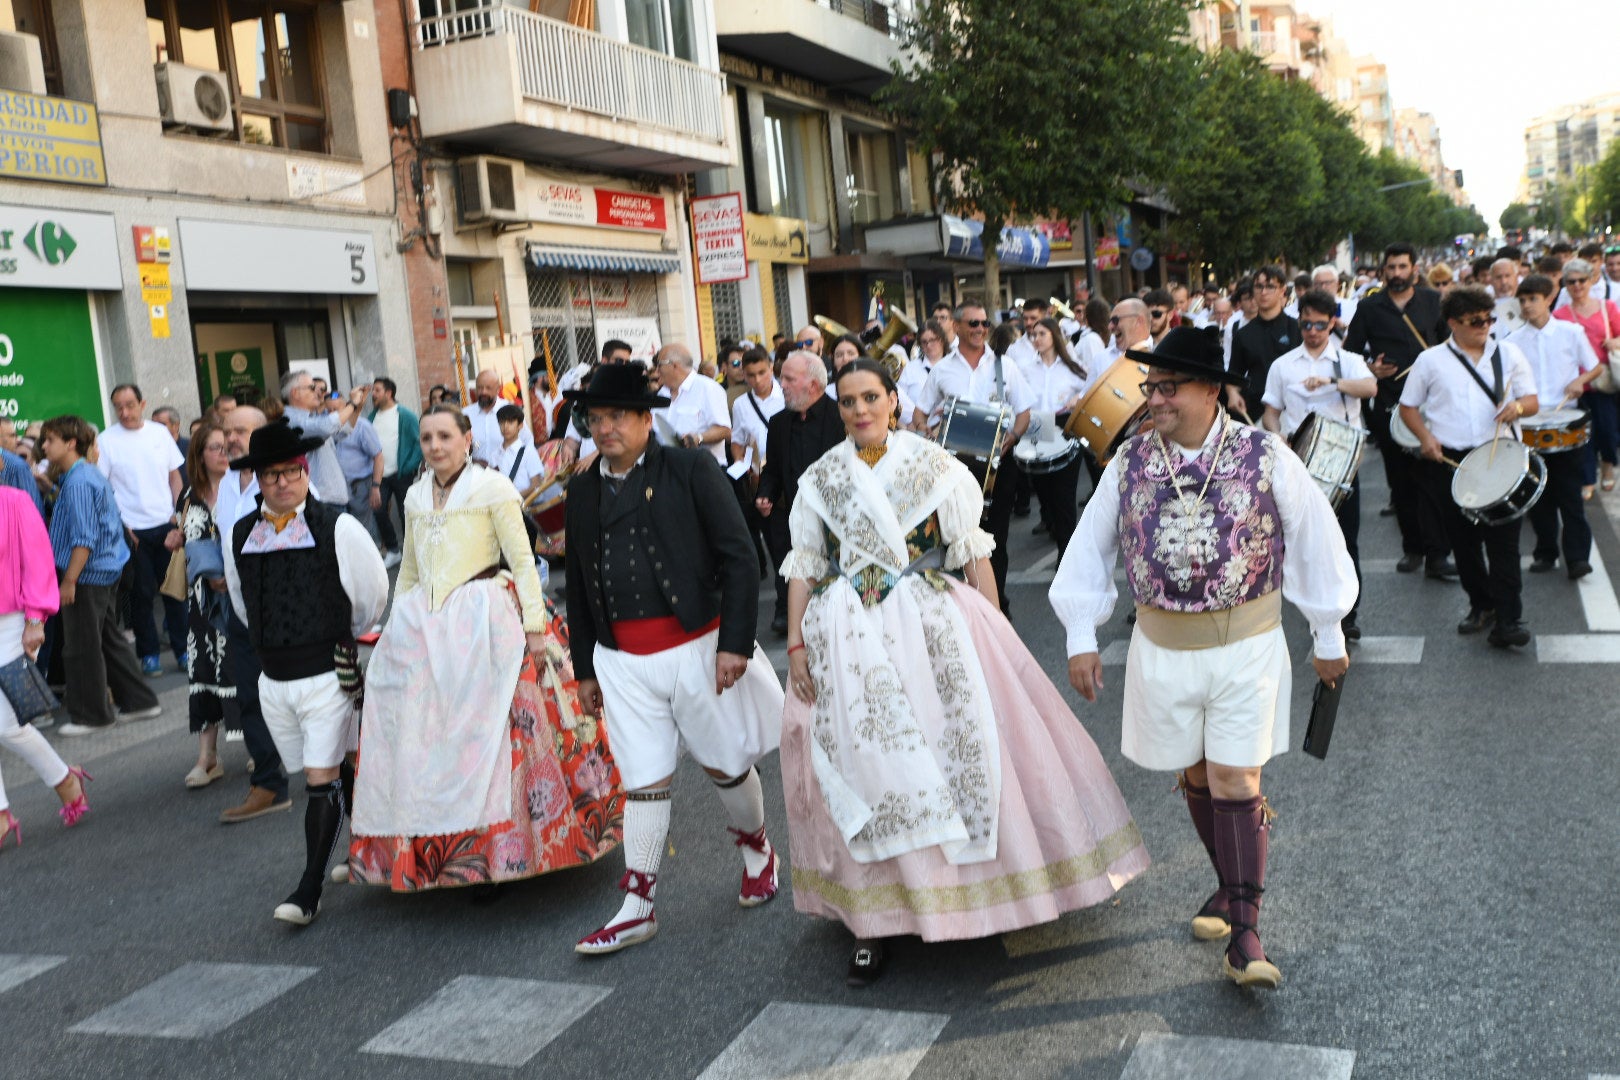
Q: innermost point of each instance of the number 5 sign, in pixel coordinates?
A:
(229, 256)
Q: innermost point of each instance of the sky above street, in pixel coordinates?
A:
(1484, 69)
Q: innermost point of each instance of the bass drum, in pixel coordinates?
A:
(1112, 410)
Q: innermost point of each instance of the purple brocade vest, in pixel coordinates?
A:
(1232, 550)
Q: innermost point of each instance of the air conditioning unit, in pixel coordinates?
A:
(490, 189)
(194, 98)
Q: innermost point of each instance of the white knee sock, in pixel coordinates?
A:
(745, 806)
(646, 827)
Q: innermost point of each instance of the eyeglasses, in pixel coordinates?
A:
(1157, 313)
(976, 323)
(271, 477)
(214, 448)
(1115, 320)
(1478, 321)
(601, 418)
(1316, 325)
(1576, 281)
(805, 344)
(1165, 388)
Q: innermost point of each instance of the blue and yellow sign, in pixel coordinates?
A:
(49, 138)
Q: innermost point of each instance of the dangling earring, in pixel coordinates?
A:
(894, 422)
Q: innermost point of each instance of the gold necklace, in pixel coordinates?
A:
(1189, 512)
(872, 454)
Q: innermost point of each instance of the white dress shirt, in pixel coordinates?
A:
(955, 377)
(700, 405)
(914, 376)
(747, 429)
(1091, 351)
(1457, 410)
(1508, 318)
(1053, 386)
(1317, 577)
(486, 432)
(1558, 354)
(519, 463)
(1285, 386)
(360, 569)
(1022, 351)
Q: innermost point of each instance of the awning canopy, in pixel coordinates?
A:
(964, 239)
(553, 256)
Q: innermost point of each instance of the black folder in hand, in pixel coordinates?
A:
(1324, 711)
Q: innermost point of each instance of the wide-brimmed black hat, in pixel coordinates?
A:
(1190, 351)
(274, 443)
(617, 386)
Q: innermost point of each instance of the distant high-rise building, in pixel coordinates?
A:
(1559, 143)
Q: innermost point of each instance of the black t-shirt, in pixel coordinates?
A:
(1256, 346)
(1380, 329)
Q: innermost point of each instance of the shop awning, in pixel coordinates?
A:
(964, 239)
(552, 256)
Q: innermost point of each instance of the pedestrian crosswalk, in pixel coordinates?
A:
(506, 1023)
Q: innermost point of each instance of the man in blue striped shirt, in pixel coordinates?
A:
(87, 537)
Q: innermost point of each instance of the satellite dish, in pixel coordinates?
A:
(211, 99)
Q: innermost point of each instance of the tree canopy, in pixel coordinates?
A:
(1515, 216)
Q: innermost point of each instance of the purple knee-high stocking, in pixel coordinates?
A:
(1203, 819)
(1241, 829)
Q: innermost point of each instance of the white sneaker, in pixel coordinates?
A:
(71, 728)
(141, 714)
(391, 560)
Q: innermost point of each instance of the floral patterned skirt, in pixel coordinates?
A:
(566, 803)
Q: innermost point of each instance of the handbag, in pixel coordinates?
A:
(203, 558)
(174, 581)
(24, 686)
(1604, 383)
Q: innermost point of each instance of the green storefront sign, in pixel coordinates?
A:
(48, 356)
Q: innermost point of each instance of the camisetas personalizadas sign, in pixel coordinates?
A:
(49, 138)
(562, 203)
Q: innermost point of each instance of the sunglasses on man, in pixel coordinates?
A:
(976, 323)
(1478, 321)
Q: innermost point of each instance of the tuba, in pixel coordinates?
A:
(1063, 310)
(881, 348)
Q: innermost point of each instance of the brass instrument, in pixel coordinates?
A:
(829, 328)
(1064, 310)
(878, 343)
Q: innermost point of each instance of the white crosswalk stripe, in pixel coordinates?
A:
(1181, 1057)
(195, 1001)
(1116, 652)
(484, 1020)
(1578, 648)
(827, 1042)
(1387, 650)
(18, 968)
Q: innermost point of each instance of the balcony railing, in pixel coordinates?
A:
(565, 65)
(884, 15)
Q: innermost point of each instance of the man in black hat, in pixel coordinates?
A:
(306, 579)
(1215, 521)
(663, 589)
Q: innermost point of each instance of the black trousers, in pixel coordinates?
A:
(778, 544)
(1422, 531)
(998, 516)
(150, 564)
(1349, 515)
(394, 487)
(1487, 555)
(1561, 502)
(97, 658)
(267, 770)
(1059, 508)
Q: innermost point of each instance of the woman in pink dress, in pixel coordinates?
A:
(936, 782)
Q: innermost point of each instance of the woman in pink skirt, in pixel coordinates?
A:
(936, 782)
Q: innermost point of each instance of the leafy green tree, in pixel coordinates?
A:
(1515, 217)
(1603, 206)
(1043, 108)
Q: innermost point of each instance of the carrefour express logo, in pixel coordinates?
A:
(50, 243)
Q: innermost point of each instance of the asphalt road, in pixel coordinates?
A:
(1441, 901)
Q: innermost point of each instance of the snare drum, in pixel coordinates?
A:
(1111, 411)
(969, 429)
(1556, 430)
(1044, 448)
(1331, 450)
(1402, 435)
(1498, 482)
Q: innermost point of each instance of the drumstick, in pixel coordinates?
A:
(1448, 461)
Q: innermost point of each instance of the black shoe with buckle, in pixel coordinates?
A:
(1409, 563)
(1508, 634)
(1477, 619)
(1352, 631)
(866, 963)
(1541, 566)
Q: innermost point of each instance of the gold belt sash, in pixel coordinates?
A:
(1188, 630)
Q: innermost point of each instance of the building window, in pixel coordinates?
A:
(663, 26)
(786, 154)
(872, 182)
(269, 53)
(34, 17)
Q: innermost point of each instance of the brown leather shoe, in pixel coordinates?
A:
(260, 801)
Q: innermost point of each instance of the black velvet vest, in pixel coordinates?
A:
(297, 610)
(629, 580)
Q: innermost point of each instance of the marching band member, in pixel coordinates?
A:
(1391, 327)
(1320, 377)
(1207, 679)
(1258, 343)
(974, 373)
(978, 804)
(1057, 382)
(1471, 393)
(304, 579)
(663, 588)
(1562, 364)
